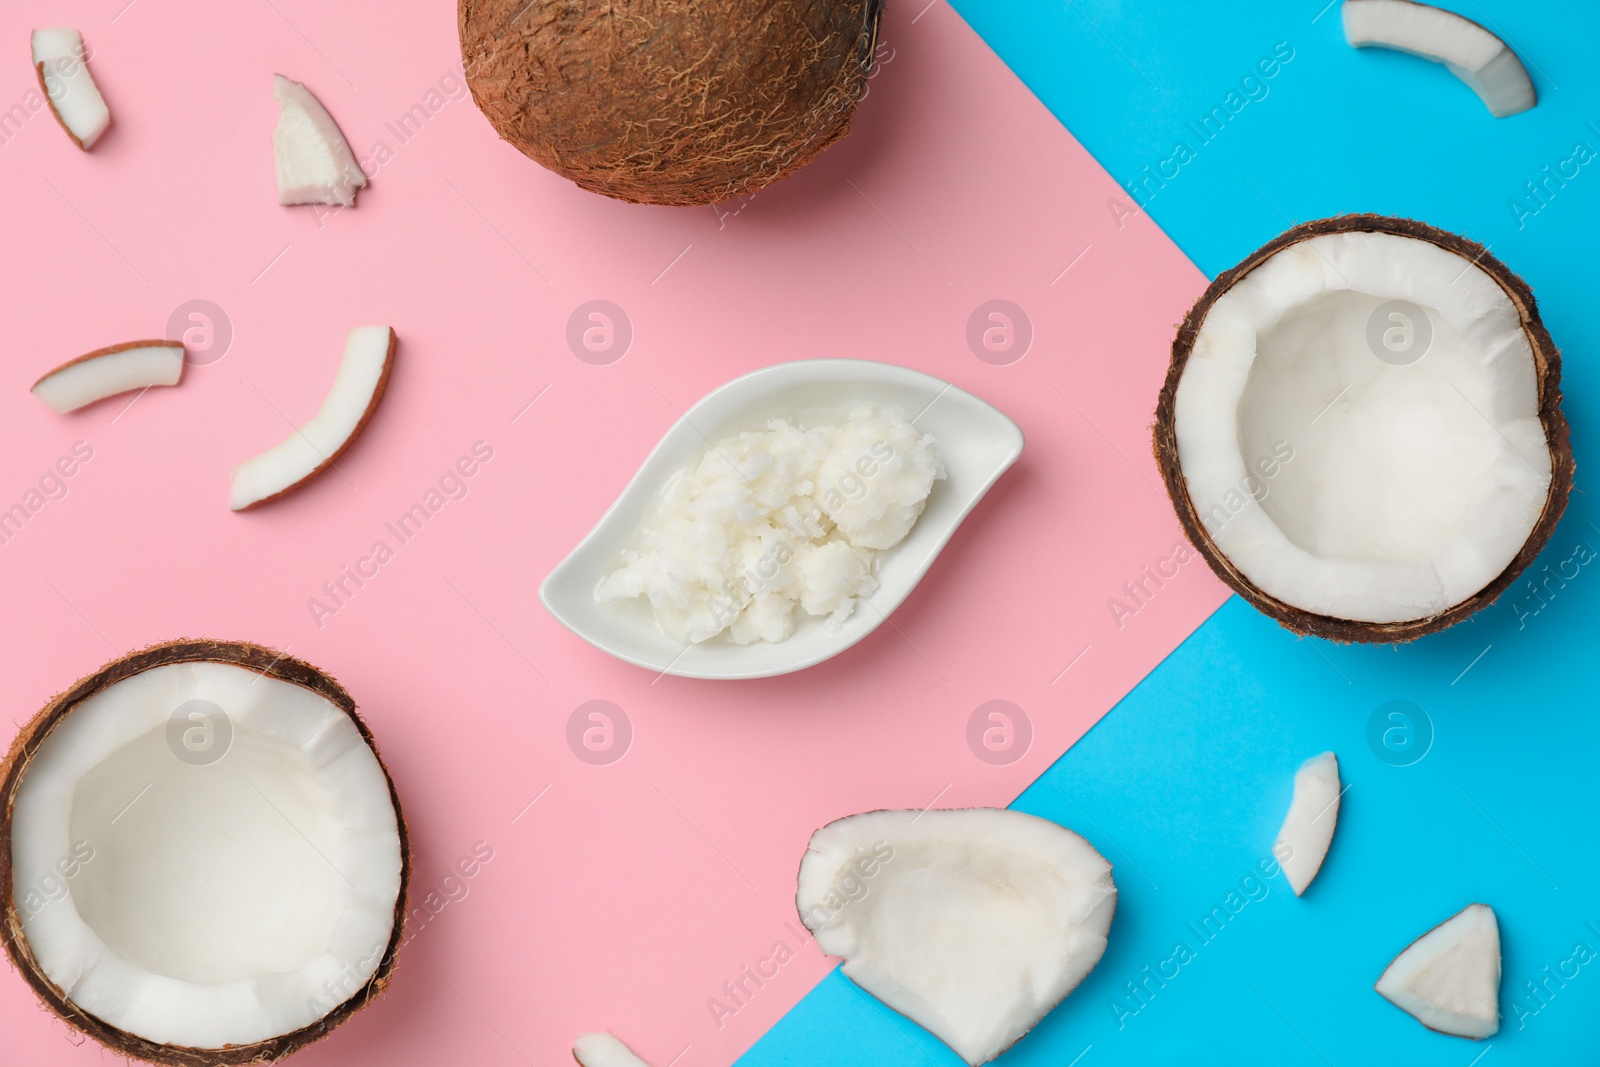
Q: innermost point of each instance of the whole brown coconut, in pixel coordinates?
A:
(1547, 375)
(257, 658)
(669, 101)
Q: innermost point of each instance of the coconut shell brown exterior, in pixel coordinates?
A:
(255, 657)
(1547, 370)
(669, 101)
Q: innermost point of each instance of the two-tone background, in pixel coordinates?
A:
(628, 889)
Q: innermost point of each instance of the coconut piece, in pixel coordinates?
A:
(314, 447)
(314, 161)
(716, 558)
(659, 102)
(603, 1050)
(973, 923)
(1476, 56)
(202, 857)
(1308, 828)
(1449, 978)
(1361, 428)
(62, 63)
(109, 371)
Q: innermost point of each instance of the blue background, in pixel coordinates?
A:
(1183, 784)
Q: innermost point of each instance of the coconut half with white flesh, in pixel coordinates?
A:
(1469, 51)
(202, 857)
(62, 63)
(314, 161)
(1361, 428)
(109, 371)
(1449, 978)
(314, 447)
(1307, 830)
(973, 923)
(604, 1050)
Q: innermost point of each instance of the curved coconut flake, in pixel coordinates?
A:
(317, 445)
(603, 1050)
(1361, 428)
(109, 371)
(203, 859)
(973, 923)
(1449, 978)
(61, 62)
(1482, 60)
(1308, 828)
(314, 161)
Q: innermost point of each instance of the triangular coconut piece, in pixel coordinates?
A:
(1469, 51)
(1449, 978)
(973, 923)
(315, 164)
(603, 1050)
(1308, 828)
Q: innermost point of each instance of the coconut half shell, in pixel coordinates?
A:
(266, 662)
(1546, 363)
(665, 101)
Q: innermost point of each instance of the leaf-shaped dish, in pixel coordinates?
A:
(976, 442)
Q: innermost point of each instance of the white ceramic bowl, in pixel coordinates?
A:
(976, 442)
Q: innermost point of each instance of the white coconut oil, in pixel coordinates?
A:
(777, 522)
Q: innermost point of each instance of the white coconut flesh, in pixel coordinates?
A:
(1354, 486)
(603, 1050)
(213, 903)
(973, 923)
(59, 56)
(1449, 978)
(312, 447)
(1470, 52)
(314, 161)
(1307, 830)
(109, 372)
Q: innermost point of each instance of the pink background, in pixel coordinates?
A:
(628, 893)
